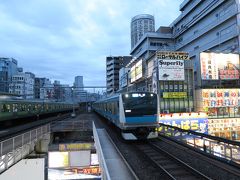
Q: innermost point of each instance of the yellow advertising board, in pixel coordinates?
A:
(174, 95)
(75, 146)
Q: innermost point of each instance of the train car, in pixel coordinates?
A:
(15, 109)
(134, 113)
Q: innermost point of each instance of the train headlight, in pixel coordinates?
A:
(126, 95)
(152, 95)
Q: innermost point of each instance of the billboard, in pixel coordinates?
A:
(154, 81)
(215, 66)
(133, 74)
(220, 97)
(136, 71)
(75, 146)
(175, 95)
(171, 70)
(58, 159)
(194, 124)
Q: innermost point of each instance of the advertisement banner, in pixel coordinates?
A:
(220, 97)
(175, 95)
(154, 81)
(215, 66)
(138, 69)
(194, 124)
(172, 55)
(75, 146)
(133, 74)
(171, 70)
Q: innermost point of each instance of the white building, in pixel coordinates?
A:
(23, 85)
(140, 25)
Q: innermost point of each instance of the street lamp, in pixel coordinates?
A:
(73, 110)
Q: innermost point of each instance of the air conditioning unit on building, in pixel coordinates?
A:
(166, 111)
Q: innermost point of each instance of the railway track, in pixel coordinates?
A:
(173, 167)
(210, 165)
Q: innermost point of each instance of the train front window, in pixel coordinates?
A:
(139, 104)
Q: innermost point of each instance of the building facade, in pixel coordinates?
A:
(113, 65)
(140, 25)
(208, 26)
(210, 32)
(22, 84)
(78, 82)
(8, 68)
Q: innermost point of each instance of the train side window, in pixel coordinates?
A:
(15, 107)
(7, 108)
(4, 109)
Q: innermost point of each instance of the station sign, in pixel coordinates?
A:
(174, 95)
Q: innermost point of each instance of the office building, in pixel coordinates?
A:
(22, 84)
(113, 65)
(8, 68)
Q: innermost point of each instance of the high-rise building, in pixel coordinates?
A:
(8, 68)
(79, 94)
(113, 65)
(140, 25)
(78, 83)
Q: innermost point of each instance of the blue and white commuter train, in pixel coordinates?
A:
(134, 113)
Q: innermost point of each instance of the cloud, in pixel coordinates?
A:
(60, 39)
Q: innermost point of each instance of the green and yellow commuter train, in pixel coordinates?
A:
(16, 109)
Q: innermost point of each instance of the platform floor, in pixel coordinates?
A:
(115, 164)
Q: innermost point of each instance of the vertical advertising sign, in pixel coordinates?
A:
(154, 81)
(136, 71)
(133, 74)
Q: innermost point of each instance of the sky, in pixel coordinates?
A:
(61, 39)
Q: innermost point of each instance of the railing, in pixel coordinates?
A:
(103, 164)
(71, 125)
(225, 149)
(16, 148)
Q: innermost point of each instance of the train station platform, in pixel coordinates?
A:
(112, 163)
